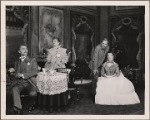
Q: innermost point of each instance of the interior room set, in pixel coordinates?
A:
(79, 29)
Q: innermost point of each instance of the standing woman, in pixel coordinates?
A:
(112, 87)
(57, 56)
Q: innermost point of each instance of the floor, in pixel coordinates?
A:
(85, 106)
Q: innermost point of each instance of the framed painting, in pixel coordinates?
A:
(51, 24)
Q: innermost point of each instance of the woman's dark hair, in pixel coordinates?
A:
(56, 39)
(112, 54)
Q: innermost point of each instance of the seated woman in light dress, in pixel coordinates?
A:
(112, 87)
(57, 56)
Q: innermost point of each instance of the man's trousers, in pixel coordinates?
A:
(18, 88)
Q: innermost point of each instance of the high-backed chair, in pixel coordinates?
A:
(80, 76)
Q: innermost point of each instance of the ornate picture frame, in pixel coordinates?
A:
(51, 24)
(83, 27)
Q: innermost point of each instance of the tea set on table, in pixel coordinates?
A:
(50, 71)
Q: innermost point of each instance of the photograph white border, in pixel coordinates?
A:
(72, 3)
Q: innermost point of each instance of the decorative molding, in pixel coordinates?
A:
(83, 10)
(79, 20)
(120, 8)
(139, 10)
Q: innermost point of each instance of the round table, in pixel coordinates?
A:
(52, 90)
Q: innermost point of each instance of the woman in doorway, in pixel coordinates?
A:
(112, 87)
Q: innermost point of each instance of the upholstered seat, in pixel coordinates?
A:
(82, 81)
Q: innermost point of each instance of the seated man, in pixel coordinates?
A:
(26, 70)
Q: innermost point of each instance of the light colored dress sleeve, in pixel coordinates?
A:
(117, 74)
(49, 56)
(64, 57)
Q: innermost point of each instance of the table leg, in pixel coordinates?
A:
(39, 101)
(64, 100)
(78, 95)
(58, 102)
(44, 102)
(50, 103)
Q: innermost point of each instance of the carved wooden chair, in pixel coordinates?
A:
(80, 78)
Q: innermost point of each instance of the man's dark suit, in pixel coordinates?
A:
(29, 69)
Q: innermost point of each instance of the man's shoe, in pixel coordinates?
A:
(18, 112)
(21, 112)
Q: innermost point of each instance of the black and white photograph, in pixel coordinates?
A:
(74, 59)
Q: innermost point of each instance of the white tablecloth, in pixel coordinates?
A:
(52, 84)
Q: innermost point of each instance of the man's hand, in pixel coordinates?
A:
(19, 75)
(95, 71)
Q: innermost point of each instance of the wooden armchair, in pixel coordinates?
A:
(79, 80)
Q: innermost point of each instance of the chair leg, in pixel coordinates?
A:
(78, 94)
(69, 95)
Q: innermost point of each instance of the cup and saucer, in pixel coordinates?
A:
(51, 71)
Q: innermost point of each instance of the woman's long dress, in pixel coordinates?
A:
(116, 90)
(57, 58)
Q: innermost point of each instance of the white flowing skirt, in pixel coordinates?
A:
(115, 91)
